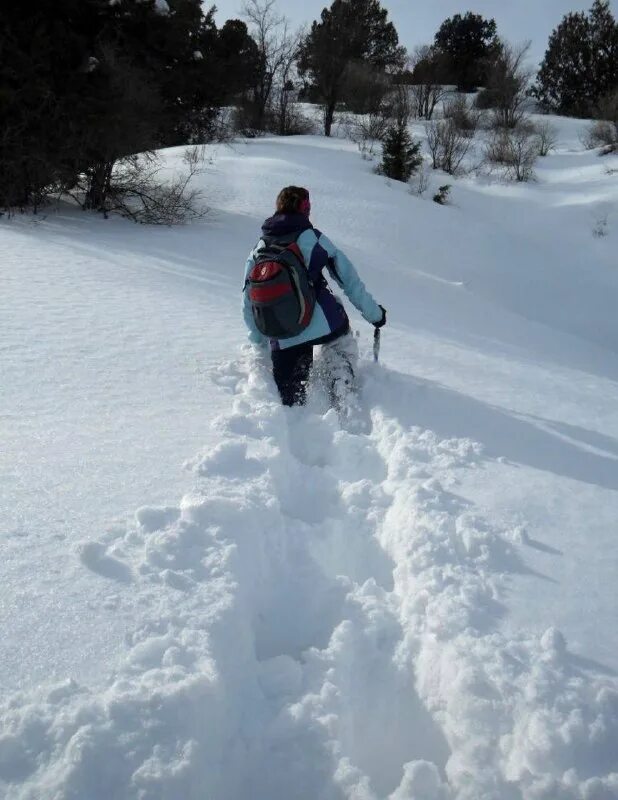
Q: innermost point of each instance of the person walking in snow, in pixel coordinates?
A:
(287, 301)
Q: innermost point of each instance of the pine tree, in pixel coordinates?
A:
(349, 32)
(45, 51)
(581, 62)
(604, 32)
(467, 45)
(84, 83)
(401, 155)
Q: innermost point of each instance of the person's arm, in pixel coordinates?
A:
(255, 337)
(344, 274)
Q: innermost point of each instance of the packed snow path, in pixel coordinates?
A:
(404, 607)
(320, 621)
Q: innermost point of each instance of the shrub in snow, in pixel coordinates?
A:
(401, 155)
(427, 88)
(447, 145)
(547, 137)
(601, 227)
(295, 123)
(514, 150)
(442, 195)
(136, 190)
(419, 182)
(368, 130)
(485, 99)
(465, 119)
(604, 132)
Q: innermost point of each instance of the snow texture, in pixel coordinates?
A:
(416, 604)
(285, 632)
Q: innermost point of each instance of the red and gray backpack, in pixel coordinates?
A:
(281, 293)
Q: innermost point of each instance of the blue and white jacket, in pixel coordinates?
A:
(329, 320)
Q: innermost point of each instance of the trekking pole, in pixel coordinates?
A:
(376, 345)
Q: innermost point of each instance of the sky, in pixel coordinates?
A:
(418, 20)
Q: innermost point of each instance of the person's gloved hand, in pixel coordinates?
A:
(382, 322)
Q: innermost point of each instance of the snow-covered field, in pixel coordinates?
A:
(205, 595)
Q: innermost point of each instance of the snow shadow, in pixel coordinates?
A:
(542, 444)
(93, 555)
(184, 252)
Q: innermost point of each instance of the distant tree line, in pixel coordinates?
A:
(87, 84)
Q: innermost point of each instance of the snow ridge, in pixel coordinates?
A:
(320, 619)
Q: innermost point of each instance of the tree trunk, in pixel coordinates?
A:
(98, 189)
(329, 116)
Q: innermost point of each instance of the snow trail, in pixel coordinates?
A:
(320, 619)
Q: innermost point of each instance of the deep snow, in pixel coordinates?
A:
(423, 611)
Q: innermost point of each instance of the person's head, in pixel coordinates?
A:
(294, 200)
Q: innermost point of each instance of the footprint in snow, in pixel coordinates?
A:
(94, 556)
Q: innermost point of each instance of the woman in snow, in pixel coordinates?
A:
(326, 321)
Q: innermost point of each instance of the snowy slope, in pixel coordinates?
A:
(424, 611)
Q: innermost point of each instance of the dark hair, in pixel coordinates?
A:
(290, 199)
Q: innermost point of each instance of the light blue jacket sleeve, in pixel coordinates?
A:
(255, 337)
(342, 271)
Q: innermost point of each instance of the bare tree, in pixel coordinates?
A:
(516, 150)
(277, 48)
(427, 90)
(465, 118)
(447, 145)
(395, 108)
(368, 130)
(136, 190)
(287, 118)
(507, 84)
(547, 137)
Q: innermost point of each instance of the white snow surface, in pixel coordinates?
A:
(206, 595)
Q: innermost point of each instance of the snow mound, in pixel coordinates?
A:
(320, 619)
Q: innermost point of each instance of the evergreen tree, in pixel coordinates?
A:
(84, 83)
(581, 62)
(237, 60)
(349, 32)
(45, 49)
(467, 45)
(401, 155)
